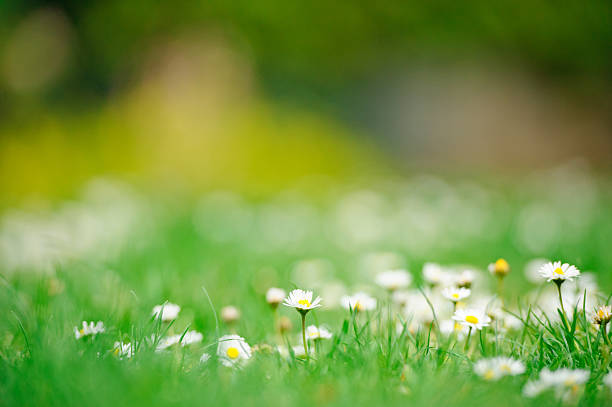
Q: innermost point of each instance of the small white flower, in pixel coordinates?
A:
(434, 274)
(123, 350)
(88, 329)
(191, 337)
(448, 327)
(393, 279)
(557, 271)
(496, 368)
(275, 296)
(230, 314)
(204, 358)
(603, 315)
(456, 294)
(169, 311)
(233, 350)
(567, 383)
(298, 351)
(358, 302)
(313, 332)
(473, 318)
(465, 279)
(302, 300)
(167, 342)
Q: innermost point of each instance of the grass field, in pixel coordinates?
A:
(113, 253)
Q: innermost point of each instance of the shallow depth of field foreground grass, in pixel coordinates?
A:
(112, 254)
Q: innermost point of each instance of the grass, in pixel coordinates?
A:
(224, 250)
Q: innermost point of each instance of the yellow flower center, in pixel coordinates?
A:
(305, 303)
(501, 266)
(358, 306)
(559, 271)
(471, 319)
(81, 331)
(489, 374)
(505, 368)
(116, 351)
(455, 296)
(232, 352)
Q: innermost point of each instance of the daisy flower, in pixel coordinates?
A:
(567, 383)
(392, 280)
(603, 315)
(313, 333)
(88, 329)
(123, 350)
(169, 311)
(302, 301)
(233, 350)
(448, 327)
(275, 296)
(465, 279)
(434, 274)
(496, 368)
(358, 302)
(472, 318)
(500, 268)
(456, 294)
(230, 314)
(558, 272)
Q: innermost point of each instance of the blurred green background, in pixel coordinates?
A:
(255, 96)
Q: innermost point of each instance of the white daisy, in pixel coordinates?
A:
(275, 296)
(233, 350)
(298, 351)
(313, 332)
(434, 274)
(603, 315)
(191, 337)
(456, 294)
(166, 342)
(302, 300)
(558, 272)
(393, 279)
(567, 383)
(123, 350)
(472, 318)
(230, 314)
(465, 279)
(496, 368)
(88, 329)
(169, 311)
(448, 327)
(358, 302)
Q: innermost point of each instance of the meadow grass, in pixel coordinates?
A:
(223, 251)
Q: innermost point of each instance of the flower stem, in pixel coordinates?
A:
(467, 340)
(565, 321)
(604, 333)
(500, 288)
(304, 335)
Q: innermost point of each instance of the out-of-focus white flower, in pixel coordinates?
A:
(434, 274)
(394, 279)
(302, 300)
(472, 318)
(465, 279)
(298, 351)
(532, 270)
(567, 383)
(449, 327)
(496, 368)
(123, 350)
(456, 294)
(191, 337)
(500, 268)
(205, 357)
(313, 332)
(233, 350)
(418, 308)
(169, 311)
(230, 314)
(358, 302)
(88, 329)
(557, 271)
(275, 296)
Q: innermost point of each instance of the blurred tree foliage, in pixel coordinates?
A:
(327, 45)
